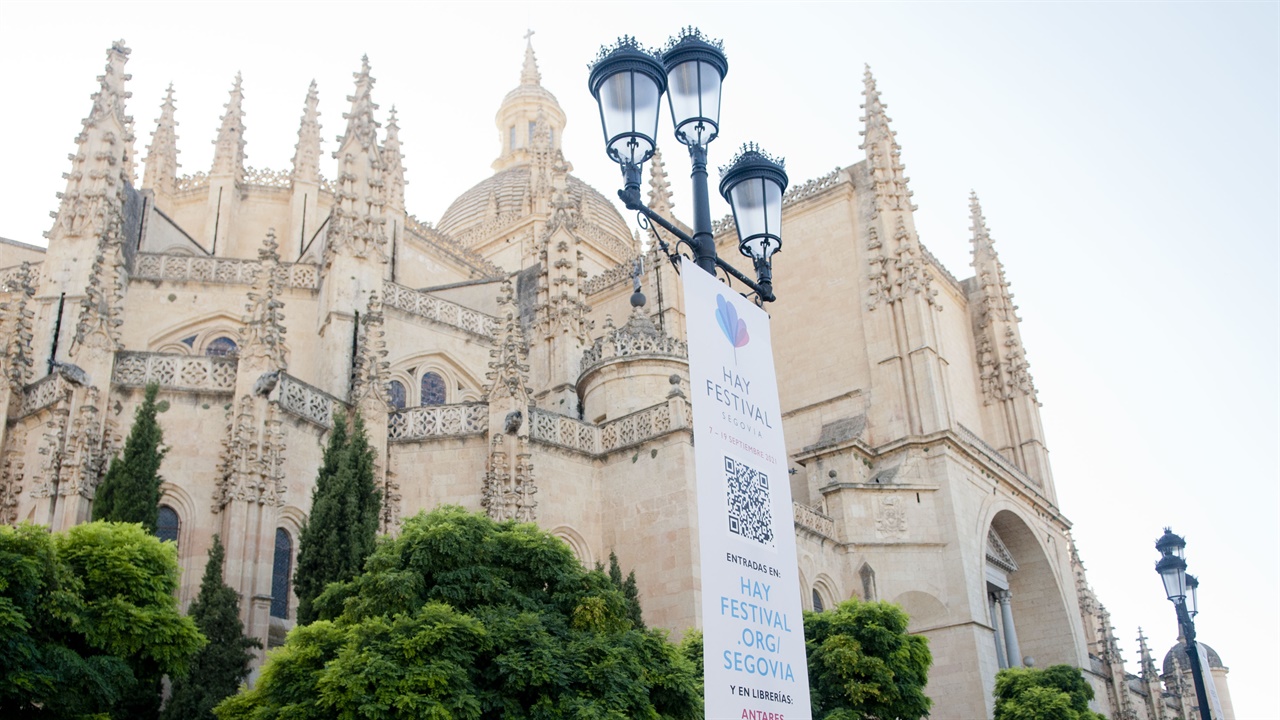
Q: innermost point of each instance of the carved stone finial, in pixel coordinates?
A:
(1001, 356)
(371, 390)
(529, 74)
(101, 165)
(508, 374)
(306, 156)
(160, 168)
(393, 156)
(884, 155)
(357, 224)
(228, 152)
(15, 322)
(263, 331)
(660, 199)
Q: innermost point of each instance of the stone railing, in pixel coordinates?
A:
(807, 517)
(428, 234)
(611, 243)
(994, 455)
(946, 274)
(564, 431)
(639, 426)
(307, 401)
(191, 373)
(631, 340)
(431, 421)
(816, 186)
(438, 310)
(195, 181)
(230, 271)
(41, 394)
(268, 178)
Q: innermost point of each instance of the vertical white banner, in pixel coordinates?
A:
(753, 635)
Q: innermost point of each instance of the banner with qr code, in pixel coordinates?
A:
(753, 637)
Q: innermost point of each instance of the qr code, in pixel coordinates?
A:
(750, 506)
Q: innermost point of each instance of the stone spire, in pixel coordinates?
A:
(160, 168)
(372, 371)
(529, 74)
(660, 199)
(306, 156)
(997, 302)
(1002, 361)
(884, 155)
(100, 165)
(228, 151)
(358, 212)
(263, 345)
(1150, 679)
(394, 159)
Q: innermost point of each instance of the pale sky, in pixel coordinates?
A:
(1126, 156)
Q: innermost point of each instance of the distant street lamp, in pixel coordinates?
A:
(628, 82)
(1173, 572)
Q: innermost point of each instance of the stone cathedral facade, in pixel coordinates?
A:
(505, 360)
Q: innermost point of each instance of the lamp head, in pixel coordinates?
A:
(627, 82)
(695, 67)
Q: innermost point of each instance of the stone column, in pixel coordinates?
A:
(1010, 634)
(995, 626)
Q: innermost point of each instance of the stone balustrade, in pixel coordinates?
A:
(565, 432)
(810, 519)
(185, 373)
(638, 337)
(994, 455)
(41, 394)
(229, 271)
(432, 421)
(307, 401)
(623, 432)
(425, 305)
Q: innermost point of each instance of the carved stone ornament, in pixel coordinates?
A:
(357, 221)
(263, 331)
(891, 517)
(508, 374)
(508, 492)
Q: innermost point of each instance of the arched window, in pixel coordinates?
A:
(399, 398)
(222, 347)
(281, 574)
(817, 601)
(167, 524)
(432, 389)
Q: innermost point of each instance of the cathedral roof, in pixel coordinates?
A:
(1184, 661)
(507, 192)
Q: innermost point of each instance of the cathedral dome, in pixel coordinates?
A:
(1179, 651)
(508, 192)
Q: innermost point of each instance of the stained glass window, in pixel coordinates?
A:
(433, 389)
(817, 601)
(221, 347)
(281, 574)
(167, 524)
(399, 398)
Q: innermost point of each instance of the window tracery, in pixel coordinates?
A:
(222, 347)
(434, 390)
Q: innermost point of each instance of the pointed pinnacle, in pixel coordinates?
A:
(529, 74)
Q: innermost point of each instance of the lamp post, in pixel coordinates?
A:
(1172, 568)
(628, 82)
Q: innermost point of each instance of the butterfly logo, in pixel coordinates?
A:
(733, 327)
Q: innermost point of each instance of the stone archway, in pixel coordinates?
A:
(1028, 606)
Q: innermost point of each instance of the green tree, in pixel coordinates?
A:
(218, 669)
(88, 621)
(463, 617)
(630, 591)
(343, 527)
(863, 664)
(1058, 692)
(131, 490)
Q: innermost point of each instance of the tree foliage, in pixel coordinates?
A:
(462, 617)
(218, 668)
(863, 664)
(88, 621)
(343, 526)
(1058, 692)
(630, 591)
(131, 490)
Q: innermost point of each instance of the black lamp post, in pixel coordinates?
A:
(1173, 572)
(628, 83)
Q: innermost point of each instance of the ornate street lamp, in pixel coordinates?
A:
(1173, 573)
(627, 82)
